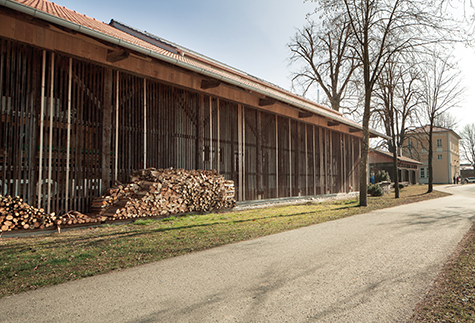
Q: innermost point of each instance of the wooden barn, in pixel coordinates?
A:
(84, 103)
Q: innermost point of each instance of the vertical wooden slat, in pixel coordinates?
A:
(116, 152)
(306, 160)
(243, 159)
(330, 161)
(106, 128)
(240, 152)
(218, 152)
(68, 135)
(259, 156)
(50, 148)
(145, 123)
(210, 133)
(42, 125)
(314, 162)
(323, 189)
(200, 135)
(290, 159)
(277, 155)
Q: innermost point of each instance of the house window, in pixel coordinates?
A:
(409, 145)
(439, 157)
(423, 175)
(439, 144)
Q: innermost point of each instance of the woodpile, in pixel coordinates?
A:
(75, 217)
(15, 214)
(165, 192)
(151, 192)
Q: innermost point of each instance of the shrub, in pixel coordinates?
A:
(383, 176)
(401, 186)
(375, 190)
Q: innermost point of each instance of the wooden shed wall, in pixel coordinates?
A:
(70, 128)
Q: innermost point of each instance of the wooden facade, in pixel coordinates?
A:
(73, 122)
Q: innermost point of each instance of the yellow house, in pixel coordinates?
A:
(445, 158)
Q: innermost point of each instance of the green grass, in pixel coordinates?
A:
(36, 261)
(452, 298)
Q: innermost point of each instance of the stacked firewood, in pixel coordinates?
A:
(164, 192)
(75, 217)
(15, 214)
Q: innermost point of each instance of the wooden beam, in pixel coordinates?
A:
(303, 114)
(117, 55)
(266, 101)
(209, 84)
(354, 130)
(333, 123)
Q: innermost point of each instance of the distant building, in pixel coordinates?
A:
(446, 157)
(466, 170)
(382, 160)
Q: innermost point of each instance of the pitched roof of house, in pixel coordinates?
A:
(435, 129)
(400, 158)
(53, 13)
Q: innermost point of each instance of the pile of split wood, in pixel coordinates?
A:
(16, 214)
(164, 192)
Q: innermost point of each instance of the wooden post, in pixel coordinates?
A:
(240, 151)
(290, 160)
(200, 134)
(218, 153)
(354, 164)
(306, 160)
(329, 138)
(243, 168)
(145, 123)
(42, 125)
(210, 133)
(106, 128)
(50, 150)
(314, 163)
(116, 161)
(276, 156)
(260, 189)
(343, 157)
(68, 144)
(323, 188)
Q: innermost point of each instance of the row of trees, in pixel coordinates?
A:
(383, 62)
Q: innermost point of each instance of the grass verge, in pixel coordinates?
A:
(452, 297)
(37, 261)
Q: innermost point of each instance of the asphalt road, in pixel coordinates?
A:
(373, 267)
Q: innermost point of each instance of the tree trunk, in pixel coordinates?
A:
(431, 174)
(364, 152)
(396, 173)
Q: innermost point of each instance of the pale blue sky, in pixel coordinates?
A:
(250, 35)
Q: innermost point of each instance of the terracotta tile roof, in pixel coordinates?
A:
(205, 64)
(400, 158)
(425, 129)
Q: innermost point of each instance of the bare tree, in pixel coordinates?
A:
(398, 94)
(381, 29)
(446, 120)
(327, 60)
(468, 144)
(442, 91)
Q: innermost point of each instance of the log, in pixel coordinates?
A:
(164, 192)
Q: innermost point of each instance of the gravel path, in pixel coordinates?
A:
(373, 267)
